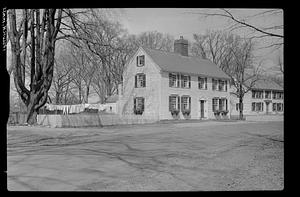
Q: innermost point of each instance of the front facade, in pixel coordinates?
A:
(166, 85)
(266, 97)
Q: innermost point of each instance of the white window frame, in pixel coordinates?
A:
(140, 60)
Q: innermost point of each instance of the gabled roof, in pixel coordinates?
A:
(266, 84)
(173, 62)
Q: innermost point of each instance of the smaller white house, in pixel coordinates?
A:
(266, 97)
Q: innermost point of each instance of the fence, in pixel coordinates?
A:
(91, 120)
(16, 118)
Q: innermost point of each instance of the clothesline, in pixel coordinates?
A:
(74, 108)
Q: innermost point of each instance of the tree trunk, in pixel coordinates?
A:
(241, 107)
(31, 116)
(87, 94)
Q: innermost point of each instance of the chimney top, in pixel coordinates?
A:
(181, 46)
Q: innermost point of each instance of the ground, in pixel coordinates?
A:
(241, 155)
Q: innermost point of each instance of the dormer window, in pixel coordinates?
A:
(140, 60)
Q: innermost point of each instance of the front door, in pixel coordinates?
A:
(267, 107)
(201, 108)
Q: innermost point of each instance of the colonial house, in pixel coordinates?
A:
(266, 97)
(168, 85)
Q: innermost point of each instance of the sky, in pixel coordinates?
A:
(186, 22)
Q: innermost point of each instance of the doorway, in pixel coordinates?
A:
(202, 109)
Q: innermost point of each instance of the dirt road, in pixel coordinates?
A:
(161, 157)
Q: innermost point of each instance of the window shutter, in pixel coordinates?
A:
(178, 80)
(170, 106)
(134, 103)
(181, 77)
(182, 103)
(144, 82)
(189, 81)
(189, 103)
(143, 104)
(226, 104)
(205, 83)
(170, 80)
(262, 106)
(137, 60)
(178, 102)
(135, 83)
(226, 85)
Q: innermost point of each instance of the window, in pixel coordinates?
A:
(202, 83)
(277, 107)
(257, 94)
(253, 106)
(274, 94)
(140, 80)
(174, 102)
(185, 81)
(140, 60)
(259, 106)
(219, 104)
(139, 103)
(215, 105)
(274, 107)
(221, 85)
(237, 106)
(185, 103)
(214, 84)
(268, 94)
(173, 80)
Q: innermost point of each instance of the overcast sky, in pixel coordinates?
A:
(185, 22)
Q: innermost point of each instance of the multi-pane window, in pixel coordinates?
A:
(215, 105)
(202, 83)
(277, 95)
(139, 105)
(186, 103)
(140, 80)
(140, 60)
(268, 94)
(214, 84)
(219, 104)
(220, 85)
(278, 107)
(174, 102)
(173, 80)
(257, 94)
(185, 81)
(257, 106)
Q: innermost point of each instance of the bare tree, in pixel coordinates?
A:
(214, 45)
(241, 70)
(155, 40)
(34, 33)
(62, 78)
(273, 31)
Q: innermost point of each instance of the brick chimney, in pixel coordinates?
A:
(181, 46)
